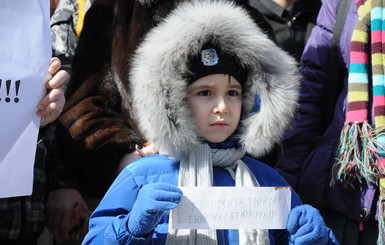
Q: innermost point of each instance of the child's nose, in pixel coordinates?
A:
(221, 106)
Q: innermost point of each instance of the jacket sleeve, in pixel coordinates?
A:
(91, 137)
(63, 35)
(300, 140)
(108, 223)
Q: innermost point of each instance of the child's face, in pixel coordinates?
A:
(216, 103)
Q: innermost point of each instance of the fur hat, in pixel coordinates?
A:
(161, 69)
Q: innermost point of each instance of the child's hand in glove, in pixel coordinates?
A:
(152, 201)
(306, 226)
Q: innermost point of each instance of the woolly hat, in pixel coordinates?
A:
(211, 60)
(161, 70)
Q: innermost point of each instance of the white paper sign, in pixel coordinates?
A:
(25, 52)
(232, 208)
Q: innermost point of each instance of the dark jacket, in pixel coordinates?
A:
(22, 217)
(309, 153)
(96, 129)
(291, 26)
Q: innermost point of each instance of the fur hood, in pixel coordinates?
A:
(160, 65)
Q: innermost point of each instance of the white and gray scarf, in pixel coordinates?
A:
(197, 170)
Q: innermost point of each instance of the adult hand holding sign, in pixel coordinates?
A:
(30, 96)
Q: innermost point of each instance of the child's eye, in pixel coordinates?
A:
(233, 93)
(204, 93)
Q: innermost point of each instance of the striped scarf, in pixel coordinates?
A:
(361, 153)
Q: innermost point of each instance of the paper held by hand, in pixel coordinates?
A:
(232, 208)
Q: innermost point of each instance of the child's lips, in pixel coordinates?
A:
(219, 124)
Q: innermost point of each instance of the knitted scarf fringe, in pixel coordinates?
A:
(361, 158)
(359, 155)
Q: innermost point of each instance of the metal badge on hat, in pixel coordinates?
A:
(209, 57)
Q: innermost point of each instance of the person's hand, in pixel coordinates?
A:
(147, 150)
(67, 214)
(306, 226)
(152, 201)
(50, 107)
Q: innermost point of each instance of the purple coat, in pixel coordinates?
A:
(309, 155)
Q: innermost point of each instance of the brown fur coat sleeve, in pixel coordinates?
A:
(94, 131)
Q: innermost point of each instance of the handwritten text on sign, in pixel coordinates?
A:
(232, 208)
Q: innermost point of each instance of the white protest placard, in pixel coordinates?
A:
(25, 52)
(232, 208)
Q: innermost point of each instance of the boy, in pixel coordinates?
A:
(195, 80)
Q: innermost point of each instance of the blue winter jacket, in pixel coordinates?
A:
(309, 155)
(108, 221)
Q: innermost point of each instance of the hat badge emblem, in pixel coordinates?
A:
(209, 57)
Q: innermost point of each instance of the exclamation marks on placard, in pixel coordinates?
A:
(8, 85)
(17, 86)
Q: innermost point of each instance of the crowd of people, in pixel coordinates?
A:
(166, 94)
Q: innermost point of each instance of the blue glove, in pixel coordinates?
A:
(306, 226)
(152, 201)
